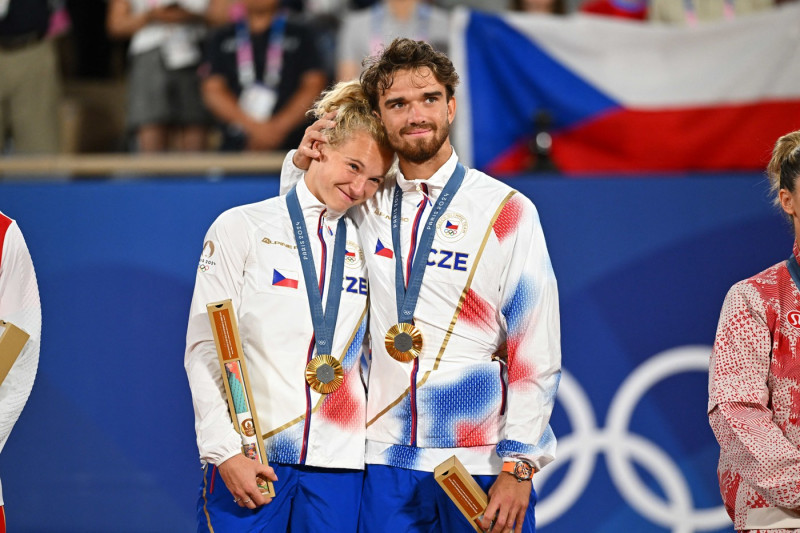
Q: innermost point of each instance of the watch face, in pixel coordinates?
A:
(523, 471)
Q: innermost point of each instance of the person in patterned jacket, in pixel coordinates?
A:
(278, 278)
(466, 359)
(754, 377)
(19, 305)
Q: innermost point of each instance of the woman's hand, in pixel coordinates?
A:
(239, 474)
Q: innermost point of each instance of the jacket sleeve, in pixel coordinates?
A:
(290, 174)
(219, 277)
(19, 305)
(752, 446)
(530, 316)
(755, 449)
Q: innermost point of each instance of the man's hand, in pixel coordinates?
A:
(239, 474)
(308, 149)
(508, 501)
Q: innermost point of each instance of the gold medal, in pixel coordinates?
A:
(403, 342)
(324, 374)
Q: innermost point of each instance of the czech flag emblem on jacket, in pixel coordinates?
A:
(285, 278)
(383, 251)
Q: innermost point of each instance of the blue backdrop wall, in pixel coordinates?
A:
(106, 442)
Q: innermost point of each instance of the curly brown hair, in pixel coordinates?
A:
(405, 54)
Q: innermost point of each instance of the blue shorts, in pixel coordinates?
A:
(401, 500)
(307, 499)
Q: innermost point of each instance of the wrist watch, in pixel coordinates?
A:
(522, 470)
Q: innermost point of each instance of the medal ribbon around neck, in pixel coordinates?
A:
(794, 270)
(404, 341)
(323, 373)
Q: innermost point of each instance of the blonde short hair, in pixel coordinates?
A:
(784, 167)
(353, 113)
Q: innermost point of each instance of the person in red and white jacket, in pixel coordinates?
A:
(754, 380)
(19, 305)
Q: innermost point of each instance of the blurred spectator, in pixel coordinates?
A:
(29, 79)
(366, 31)
(59, 22)
(164, 104)
(553, 7)
(626, 9)
(91, 47)
(690, 12)
(223, 12)
(491, 6)
(325, 19)
(261, 75)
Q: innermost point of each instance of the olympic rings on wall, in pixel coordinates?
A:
(621, 448)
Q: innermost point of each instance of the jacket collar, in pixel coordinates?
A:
(436, 182)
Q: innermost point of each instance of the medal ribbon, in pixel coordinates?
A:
(274, 57)
(324, 322)
(407, 297)
(794, 270)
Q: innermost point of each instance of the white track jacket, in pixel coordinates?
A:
(484, 387)
(249, 255)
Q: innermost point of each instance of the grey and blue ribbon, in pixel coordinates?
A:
(407, 297)
(324, 322)
(794, 270)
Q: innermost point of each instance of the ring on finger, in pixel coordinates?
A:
(236, 500)
(248, 500)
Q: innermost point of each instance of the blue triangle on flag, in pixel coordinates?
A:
(511, 79)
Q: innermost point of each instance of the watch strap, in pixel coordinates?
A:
(521, 470)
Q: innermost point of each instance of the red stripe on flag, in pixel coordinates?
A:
(286, 282)
(732, 137)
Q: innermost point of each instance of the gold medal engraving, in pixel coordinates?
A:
(403, 342)
(324, 374)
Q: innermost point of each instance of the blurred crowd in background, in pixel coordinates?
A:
(89, 76)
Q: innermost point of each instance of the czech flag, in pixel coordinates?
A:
(618, 96)
(284, 278)
(383, 251)
(450, 225)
